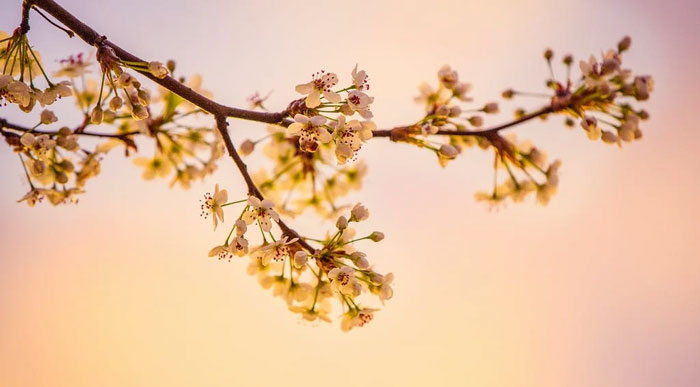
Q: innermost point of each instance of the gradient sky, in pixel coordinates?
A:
(601, 288)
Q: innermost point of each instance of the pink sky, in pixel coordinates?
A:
(600, 288)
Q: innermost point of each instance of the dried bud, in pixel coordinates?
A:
(568, 59)
(508, 94)
(171, 65)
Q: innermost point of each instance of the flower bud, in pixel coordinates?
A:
(247, 147)
(65, 131)
(548, 54)
(442, 110)
(624, 44)
(47, 117)
(144, 97)
(96, 115)
(476, 121)
(609, 137)
(138, 112)
(360, 260)
(67, 166)
(508, 94)
(359, 213)
(124, 80)
(61, 178)
(376, 236)
(342, 223)
(300, 258)
(158, 69)
(115, 103)
(108, 116)
(490, 108)
(447, 150)
(37, 167)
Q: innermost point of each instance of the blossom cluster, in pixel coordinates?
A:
(20, 65)
(309, 279)
(600, 100)
(324, 115)
(315, 156)
(59, 162)
(313, 147)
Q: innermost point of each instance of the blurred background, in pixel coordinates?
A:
(600, 288)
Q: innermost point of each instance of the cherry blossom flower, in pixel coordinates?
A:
(157, 166)
(310, 131)
(321, 83)
(448, 77)
(221, 252)
(52, 93)
(343, 280)
(212, 205)
(262, 211)
(360, 79)
(239, 246)
(359, 102)
(359, 213)
(73, 67)
(277, 251)
(347, 138)
(39, 145)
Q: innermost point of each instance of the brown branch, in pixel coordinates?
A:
(220, 112)
(93, 38)
(222, 126)
(401, 132)
(4, 124)
(24, 24)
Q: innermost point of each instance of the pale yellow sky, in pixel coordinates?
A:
(600, 288)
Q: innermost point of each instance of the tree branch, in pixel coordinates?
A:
(220, 111)
(4, 124)
(253, 190)
(93, 38)
(399, 132)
